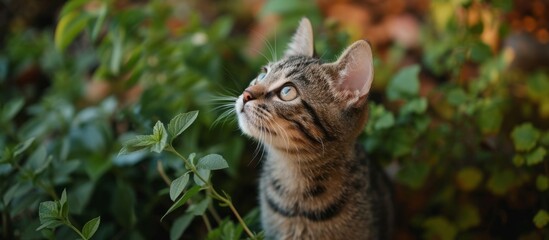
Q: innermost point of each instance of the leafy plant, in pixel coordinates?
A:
(56, 213)
(463, 133)
(161, 140)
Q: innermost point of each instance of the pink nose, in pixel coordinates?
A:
(247, 96)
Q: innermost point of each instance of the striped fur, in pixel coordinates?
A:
(316, 182)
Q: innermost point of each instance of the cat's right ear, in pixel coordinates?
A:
(302, 42)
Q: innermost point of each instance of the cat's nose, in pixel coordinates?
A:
(247, 96)
(252, 93)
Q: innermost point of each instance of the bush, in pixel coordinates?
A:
(463, 133)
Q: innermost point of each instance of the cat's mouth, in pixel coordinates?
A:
(251, 123)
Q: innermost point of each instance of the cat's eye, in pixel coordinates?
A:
(261, 76)
(263, 73)
(288, 93)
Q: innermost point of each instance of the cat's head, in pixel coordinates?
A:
(300, 102)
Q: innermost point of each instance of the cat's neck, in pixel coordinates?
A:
(308, 167)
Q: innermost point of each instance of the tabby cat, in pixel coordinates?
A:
(316, 182)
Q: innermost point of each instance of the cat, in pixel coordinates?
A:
(316, 182)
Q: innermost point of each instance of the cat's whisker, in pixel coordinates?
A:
(285, 137)
(260, 138)
(263, 55)
(224, 116)
(225, 106)
(272, 50)
(221, 98)
(275, 50)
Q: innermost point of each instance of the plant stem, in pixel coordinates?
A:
(214, 213)
(207, 222)
(229, 203)
(213, 192)
(188, 164)
(160, 169)
(235, 212)
(68, 223)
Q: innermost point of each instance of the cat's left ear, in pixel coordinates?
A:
(354, 74)
(302, 42)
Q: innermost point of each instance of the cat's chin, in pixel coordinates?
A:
(250, 131)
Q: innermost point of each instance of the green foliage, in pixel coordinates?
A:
(157, 142)
(56, 213)
(525, 137)
(472, 136)
(541, 218)
(464, 135)
(405, 84)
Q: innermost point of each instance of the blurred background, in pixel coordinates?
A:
(459, 112)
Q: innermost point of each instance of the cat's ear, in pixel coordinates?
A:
(302, 41)
(354, 73)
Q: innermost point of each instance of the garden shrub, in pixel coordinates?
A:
(463, 134)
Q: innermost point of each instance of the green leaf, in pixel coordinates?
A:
(204, 173)
(37, 159)
(141, 141)
(44, 166)
(48, 210)
(161, 137)
(179, 123)
(212, 162)
(501, 181)
(91, 227)
(179, 226)
(456, 97)
(99, 21)
(12, 108)
(386, 120)
(518, 160)
(541, 219)
(414, 174)
(21, 147)
(190, 193)
(536, 156)
(123, 205)
(440, 228)
(137, 143)
(7, 155)
(117, 49)
(178, 185)
(489, 119)
(418, 106)
(525, 137)
(50, 224)
(64, 206)
(542, 182)
(199, 208)
(480, 52)
(191, 159)
(405, 84)
(69, 26)
(10, 193)
(469, 178)
(287, 7)
(537, 86)
(221, 28)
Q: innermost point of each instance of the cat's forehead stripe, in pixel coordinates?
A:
(302, 61)
(289, 68)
